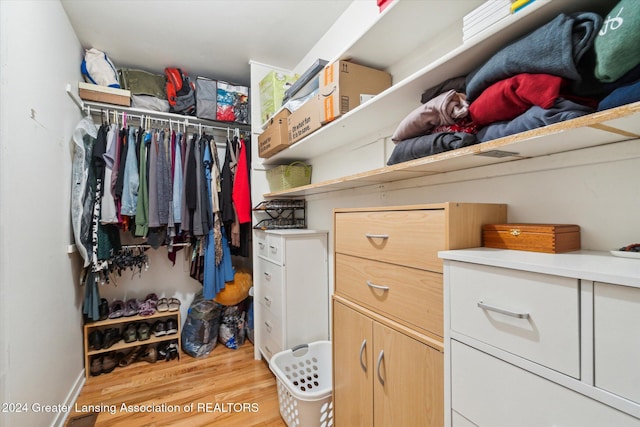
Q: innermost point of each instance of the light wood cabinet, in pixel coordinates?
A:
(553, 346)
(387, 309)
(291, 288)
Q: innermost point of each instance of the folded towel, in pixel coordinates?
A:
(427, 145)
(533, 118)
(457, 83)
(445, 108)
(617, 45)
(511, 97)
(555, 48)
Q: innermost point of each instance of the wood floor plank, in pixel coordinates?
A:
(226, 388)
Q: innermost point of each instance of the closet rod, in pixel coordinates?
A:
(146, 245)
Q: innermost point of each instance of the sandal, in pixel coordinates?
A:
(163, 305)
(174, 304)
(130, 333)
(132, 308)
(117, 309)
(144, 331)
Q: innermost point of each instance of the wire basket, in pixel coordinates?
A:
(303, 376)
(293, 175)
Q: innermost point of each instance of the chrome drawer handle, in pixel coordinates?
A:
(268, 326)
(380, 356)
(376, 236)
(503, 311)
(373, 285)
(261, 245)
(273, 248)
(267, 301)
(362, 347)
(267, 275)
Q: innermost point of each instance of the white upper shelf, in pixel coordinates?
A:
(402, 28)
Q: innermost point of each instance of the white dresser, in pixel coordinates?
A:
(537, 340)
(291, 288)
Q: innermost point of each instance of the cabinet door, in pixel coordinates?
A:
(409, 381)
(353, 369)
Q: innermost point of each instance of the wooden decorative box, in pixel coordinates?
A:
(549, 238)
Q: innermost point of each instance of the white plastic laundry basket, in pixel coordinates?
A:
(303, 375)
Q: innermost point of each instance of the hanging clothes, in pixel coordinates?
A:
(108, 213)
(84, 137)
(131, 177)
(142, 209)
(177, 179)
(241, 193)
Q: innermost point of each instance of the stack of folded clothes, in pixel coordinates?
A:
(573, 65)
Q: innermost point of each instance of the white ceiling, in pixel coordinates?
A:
(210, 38)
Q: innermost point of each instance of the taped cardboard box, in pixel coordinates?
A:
(305, 120)
(342, 83)
(108, 95)
(275, 137)
(548, 238)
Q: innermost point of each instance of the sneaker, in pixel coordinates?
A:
(172, 327)
(159, 329)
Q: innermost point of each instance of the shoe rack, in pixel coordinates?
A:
(121, 323)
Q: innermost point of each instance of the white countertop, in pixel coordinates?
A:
(587, 265)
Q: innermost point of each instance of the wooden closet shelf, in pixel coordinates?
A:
(600, 128)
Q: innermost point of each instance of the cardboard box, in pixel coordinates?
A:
(108, 95)
(342, 83)
(272, 89)
(275, 137)
(305, 120)
(548, 238)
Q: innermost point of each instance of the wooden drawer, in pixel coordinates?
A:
(406, 237)
(411, 295)
(532, 315)
(617, 340)
(271, 289)
(511, 396)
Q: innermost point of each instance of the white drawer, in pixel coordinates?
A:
(275, 248)
(491, 393)
(617, 340)
(261, 243)
(268, 348)
(271, 330)
(271, 284)
(535, 316)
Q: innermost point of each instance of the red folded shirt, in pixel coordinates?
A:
(508, 98)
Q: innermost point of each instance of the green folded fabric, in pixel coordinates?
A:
(141, 82)
(617, 46)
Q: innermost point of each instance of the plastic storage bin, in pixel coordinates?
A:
(303, 376)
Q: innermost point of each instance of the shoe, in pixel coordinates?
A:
(117, 309)
(148, 306)
(158, 328)
(149, 354)
(103, 309)
(162, 305)
(173, 351)
(131, 357)
(111, 336)
(171, 327)
(95, 340)
(144, 331)
(174, 304)
(131, 308)
(109, 362)
(96, 366)
(130, 333)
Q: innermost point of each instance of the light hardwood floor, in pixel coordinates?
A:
(226, 388)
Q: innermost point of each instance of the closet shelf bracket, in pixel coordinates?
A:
(76, 99)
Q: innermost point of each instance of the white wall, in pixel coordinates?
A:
(40, 299)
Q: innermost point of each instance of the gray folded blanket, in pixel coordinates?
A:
(533, 118)
(555, 48)
(428, 145)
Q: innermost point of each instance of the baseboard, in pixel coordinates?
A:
(70, 401)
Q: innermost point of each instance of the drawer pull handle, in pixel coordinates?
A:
(267, 275)
(376, 236)
(380, 356)
(503, 311)
(268, 326)
(267, 301)
(373, 285)
(273, 249)
(266, 347)
(362, 347)
(261, 245)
